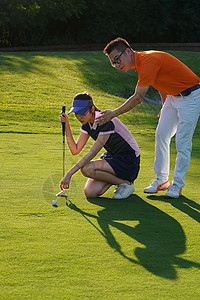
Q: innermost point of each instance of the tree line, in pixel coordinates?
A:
(64, 22)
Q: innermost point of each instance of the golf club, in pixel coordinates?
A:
(63, 133)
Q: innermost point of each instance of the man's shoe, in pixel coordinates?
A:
(173, 192)
(157, 185)
(123, 191)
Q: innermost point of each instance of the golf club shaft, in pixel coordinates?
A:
(63, 133)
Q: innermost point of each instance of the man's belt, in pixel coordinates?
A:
(190, 90)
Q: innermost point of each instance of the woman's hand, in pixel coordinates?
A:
(64, 118)
(65, 181)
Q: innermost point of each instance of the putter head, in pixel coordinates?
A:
(61, 193)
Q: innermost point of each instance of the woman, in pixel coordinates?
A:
(118, 166)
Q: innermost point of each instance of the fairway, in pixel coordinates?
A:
(143, 247)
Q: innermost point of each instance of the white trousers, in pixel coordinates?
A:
(179, 116)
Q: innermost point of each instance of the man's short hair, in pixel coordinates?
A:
(119, 43)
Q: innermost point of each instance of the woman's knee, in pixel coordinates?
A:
(87, 170)
(90, 193)
(84, 170)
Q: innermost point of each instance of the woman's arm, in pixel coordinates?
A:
(75, 147)
(97, 146)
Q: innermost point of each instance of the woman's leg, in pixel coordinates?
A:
(102, 171)
(101, 175)
(95, 188)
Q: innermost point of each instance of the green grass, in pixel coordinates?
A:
(145, 247)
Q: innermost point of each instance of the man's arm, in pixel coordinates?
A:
(133, 101)
(163, 97)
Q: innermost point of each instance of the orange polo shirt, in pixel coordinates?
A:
(164, 72)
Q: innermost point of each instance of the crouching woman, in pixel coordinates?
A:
(118, 166)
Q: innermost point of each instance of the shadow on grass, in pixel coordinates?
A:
(187, 206)
(21, 62)
(162, 237)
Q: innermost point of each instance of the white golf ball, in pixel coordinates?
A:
(54, 202)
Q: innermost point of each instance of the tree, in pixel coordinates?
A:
(50, 22)
(24, 22)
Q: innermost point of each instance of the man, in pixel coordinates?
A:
(179, 89)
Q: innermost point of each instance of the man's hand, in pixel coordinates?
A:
(159, 113)
(105, 116)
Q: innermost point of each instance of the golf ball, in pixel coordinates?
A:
(54, 202)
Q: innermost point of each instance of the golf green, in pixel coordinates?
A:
(143, 247)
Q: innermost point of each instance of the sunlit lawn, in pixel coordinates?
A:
(144, 247)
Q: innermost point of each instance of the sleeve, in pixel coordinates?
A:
(84, 129)
(107, 128)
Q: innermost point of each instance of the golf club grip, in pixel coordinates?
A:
(63, 123)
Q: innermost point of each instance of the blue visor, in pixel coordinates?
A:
(81, 107)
